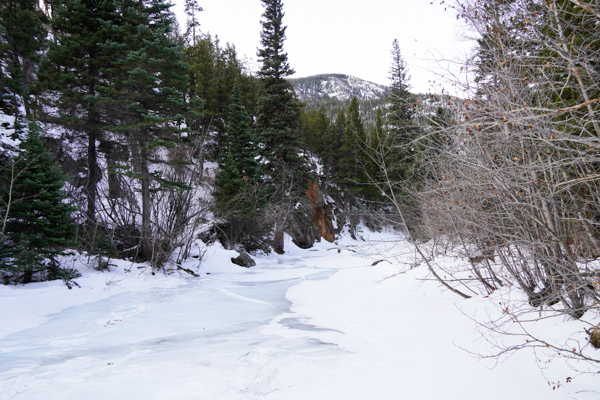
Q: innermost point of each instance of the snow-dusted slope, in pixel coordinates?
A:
(337, 86)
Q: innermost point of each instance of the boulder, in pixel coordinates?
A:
(243, 260)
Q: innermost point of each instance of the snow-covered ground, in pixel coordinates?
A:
(315, 324)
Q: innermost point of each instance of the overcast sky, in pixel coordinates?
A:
(350, 37)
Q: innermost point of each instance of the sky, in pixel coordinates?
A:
(349, 37)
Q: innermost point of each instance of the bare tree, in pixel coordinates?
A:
(514, 185)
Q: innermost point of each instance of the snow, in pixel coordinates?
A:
(322, 323)
(7, 143)
(337, 86)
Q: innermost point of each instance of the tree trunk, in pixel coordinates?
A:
(146, 240)
(278, 240)
(92, 181)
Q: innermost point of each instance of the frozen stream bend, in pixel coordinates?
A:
(317, 324)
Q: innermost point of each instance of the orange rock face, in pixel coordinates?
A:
(320, 215)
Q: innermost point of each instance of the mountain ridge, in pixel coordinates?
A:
(335, 86)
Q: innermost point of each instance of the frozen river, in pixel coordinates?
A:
(316, 324)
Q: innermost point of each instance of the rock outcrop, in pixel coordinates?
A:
(320, 214)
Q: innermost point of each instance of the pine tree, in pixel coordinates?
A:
(22, 38)
(71, 77)
(214, 71)
(400, 110)
(278, 120)
(399, 119)
(146, 99)
(240, 139)
(314, 124)
(279, 111)
(334, 145)
(37, 223)
(352, 160)
(230, 185)
(238, 198)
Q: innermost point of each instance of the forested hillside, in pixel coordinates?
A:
(334, 91)
(160, 136)
(126, 136)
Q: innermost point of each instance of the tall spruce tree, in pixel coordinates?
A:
(36, 221)
(240, 140)
(278, 121)
(71, 76)
(237, 160)
(402, 131)
(239, 199)
(354, 166)
(353, 160)
(146, 99)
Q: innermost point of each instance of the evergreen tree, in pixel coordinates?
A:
(240, 139)
(22, 38)
(402, 132)
(230, 185)
(37, 223)
(238, 167)
(214, 71)
(314, 126)
(192, 9)
(238, 198)
(71, 77)
(352, 161)
(146, 99)
(279, 111)
(334, 144)
(278, 121)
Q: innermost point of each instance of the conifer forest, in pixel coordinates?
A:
(127, 136)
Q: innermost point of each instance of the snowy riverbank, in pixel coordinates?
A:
(316, 324)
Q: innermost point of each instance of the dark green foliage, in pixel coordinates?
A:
(239, 139)
(229, 184)
(72, 76)
(238, 196)
(150, 75)
(67, 275)
(401, 162)
(214, 71)
(239, 204)
(314, 124)
(278, 109)
(37, 224)
(352, 159)
(323, 136)
(400, 108)
(278, 123)
(146, 98)
(22, 38)
(237, 163)
(115, 76)
(335, 137)
(313, 91)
